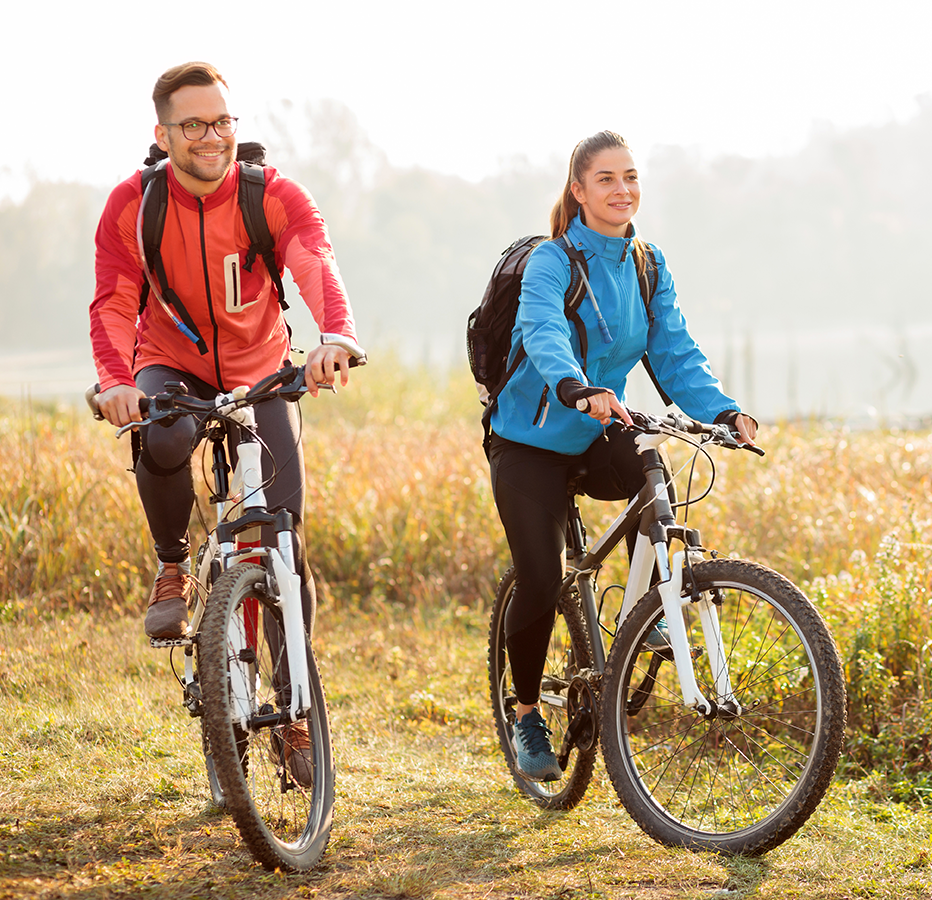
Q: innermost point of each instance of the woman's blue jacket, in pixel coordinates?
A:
(527, 409)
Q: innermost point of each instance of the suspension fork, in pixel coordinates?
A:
(289, 601)
(284, 581)
(661, 531)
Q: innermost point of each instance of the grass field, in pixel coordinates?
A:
(102, 789)
(104, 795)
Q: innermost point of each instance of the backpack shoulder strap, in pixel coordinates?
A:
(646, 264)
(153, 221)
(648, 277)
(154, 205)
(579, 272)
(251, 194)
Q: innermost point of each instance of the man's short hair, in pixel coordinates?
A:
(190, 73)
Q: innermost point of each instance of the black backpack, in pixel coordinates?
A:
(251, 160)
(490, 324)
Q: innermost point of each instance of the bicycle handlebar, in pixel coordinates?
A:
(719, 434)
(287, 383)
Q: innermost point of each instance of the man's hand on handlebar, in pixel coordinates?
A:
(322, 365)
(119, 405)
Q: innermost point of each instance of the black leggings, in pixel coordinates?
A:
(530, 488)
(166, 486)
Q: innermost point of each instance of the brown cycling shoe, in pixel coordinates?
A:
(167, 616)
(297, 747)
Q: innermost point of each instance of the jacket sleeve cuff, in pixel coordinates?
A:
(570, 390)
(730, 416)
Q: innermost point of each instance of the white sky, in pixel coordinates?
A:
(460, 88)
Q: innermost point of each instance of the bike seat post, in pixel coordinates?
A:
(575, 529)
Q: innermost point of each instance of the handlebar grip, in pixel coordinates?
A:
(582, 404)
(357, 354)
(90, 396)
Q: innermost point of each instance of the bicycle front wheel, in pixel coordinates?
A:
(202, 570)
(568, 654)
(744, 779)
(278, 787)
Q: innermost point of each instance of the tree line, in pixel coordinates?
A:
(830, 237)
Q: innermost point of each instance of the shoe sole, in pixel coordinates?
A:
(539, 779)
(160, 643)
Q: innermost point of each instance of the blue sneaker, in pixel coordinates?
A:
(536, 760)
(659, 636)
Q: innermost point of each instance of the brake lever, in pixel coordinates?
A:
(121, 431)
(730, 438)
(642, 422)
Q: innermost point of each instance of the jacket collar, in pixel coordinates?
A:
(610, 248)
(226, 190)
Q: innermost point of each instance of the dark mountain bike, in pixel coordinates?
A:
(720, 706)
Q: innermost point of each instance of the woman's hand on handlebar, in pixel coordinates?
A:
(119, 405)
(606, 406)
(598, 402)
(746, 428)
(322, 365)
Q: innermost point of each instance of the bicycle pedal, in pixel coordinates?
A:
(162, 643)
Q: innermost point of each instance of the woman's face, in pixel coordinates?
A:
(609, 193)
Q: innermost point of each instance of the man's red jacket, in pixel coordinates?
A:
(203, 248)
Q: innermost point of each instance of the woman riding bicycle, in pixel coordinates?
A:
(535, 441)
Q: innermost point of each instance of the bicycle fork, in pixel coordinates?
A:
(671, 594)
(284, 587)
(284, 584)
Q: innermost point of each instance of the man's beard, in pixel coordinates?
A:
(191, 165)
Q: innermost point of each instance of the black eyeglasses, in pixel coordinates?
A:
(195, 130)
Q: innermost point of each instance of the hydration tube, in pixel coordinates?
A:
(153, 286)
(603, 325)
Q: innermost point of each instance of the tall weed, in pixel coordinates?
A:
(72, 534)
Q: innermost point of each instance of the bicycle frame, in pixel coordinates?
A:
(237, 539)
(652, 514)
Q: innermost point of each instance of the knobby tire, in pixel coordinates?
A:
(285, 824)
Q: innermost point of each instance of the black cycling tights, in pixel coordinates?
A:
(529, 485)
(166, 487)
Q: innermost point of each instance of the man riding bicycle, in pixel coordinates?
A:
(235, 313)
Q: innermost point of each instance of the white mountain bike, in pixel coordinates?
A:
(247, 668)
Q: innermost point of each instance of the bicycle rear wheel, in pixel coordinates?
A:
(284, 817)
(568, 654)
(729, 783)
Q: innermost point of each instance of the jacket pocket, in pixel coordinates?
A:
(542, 407)
(233, 284)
